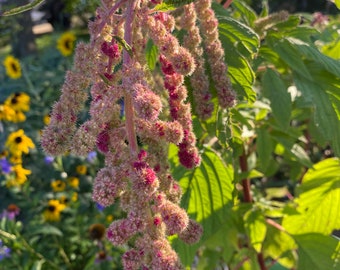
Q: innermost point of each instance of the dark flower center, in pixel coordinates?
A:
(18, 140)
(51, 208)
(14, 67)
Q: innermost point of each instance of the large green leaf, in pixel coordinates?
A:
(207, 194)
(324, 116)
(280, 246)
(280, 100)
(318, 201)
(317, 252)
(264, 147)
(245, 11)
(239, 42)
(256, 228)
(337, 3)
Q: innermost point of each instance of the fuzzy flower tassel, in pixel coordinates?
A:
(127, 98)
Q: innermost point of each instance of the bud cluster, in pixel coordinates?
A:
(112, 72)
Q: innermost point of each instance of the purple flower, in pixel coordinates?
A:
(49, 159)
(4, 251)
(91, 156)
(100, 207)
(5, 166)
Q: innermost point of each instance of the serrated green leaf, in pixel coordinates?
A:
(324, 116)
(18, 10)
(279, 246)
(318, 201)
(245, 11)
(151, 54)
(290, 55)
(280, 100)
(256, 228)
(317, 252)
(207, 193)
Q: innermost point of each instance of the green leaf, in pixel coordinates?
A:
(337, 3)
(18, 10)
(178, 3)
(151, 54)
(163, 7)
(324, 116)
(280, 99)
(38, 265)
(237, 32)
(264, 147)
(290, 55)
(318, 201)
(317, 252)
(47, 229)
(207, 194)
(279, 246)
(256, 228)
(245, 11)
(125, 45)
(292, 149)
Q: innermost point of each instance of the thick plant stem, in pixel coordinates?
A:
(246, 181)
(129, 110)
(249, 199)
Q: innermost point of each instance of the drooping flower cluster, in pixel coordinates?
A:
(136, 174)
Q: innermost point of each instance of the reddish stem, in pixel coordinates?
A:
(261, 262)
(246, 181)
(227, 4)
(129, 110)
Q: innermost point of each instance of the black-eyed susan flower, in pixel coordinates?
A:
(58, 185)
(97, 231)
(7, 113)
(18, 177)
(81, 169)
(18, 101)
(73, 181)
(12, 66)
(53, 210)
(65, 43)
(18, 143)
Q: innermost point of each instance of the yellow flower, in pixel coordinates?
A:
(65, 43)
(15, 159)
(18, 102)
(19, 117)
(74, 197)
(58, 185)
(46, 119)
(20, 176)
(13, 68)
(6, 113)
(73, 181)
(52, 212)
(81, 169)
(18, 143)
(109, 218)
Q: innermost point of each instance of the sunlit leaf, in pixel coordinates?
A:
(317, 252)
(151, 54)
(207, 193)
(256, 228)
(318, 200)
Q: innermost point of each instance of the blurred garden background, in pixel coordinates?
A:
(47, 217)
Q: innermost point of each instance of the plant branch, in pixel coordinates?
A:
(246, 181)
(227, 4)
(129, 110)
